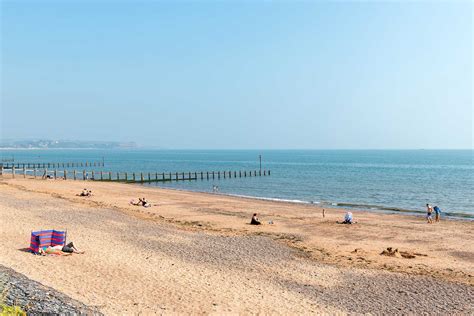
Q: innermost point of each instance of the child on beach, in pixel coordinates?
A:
(429, 212)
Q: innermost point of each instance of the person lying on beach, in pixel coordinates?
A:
(66, 250)
(141, 202)
(254, 220)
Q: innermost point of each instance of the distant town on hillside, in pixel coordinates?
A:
(60, 144)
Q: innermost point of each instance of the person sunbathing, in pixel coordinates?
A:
(66, 250)
(254, 220)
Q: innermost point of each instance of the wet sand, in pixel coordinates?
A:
(196, 253)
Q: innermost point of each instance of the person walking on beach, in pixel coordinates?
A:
(429, 211)
(437, 213)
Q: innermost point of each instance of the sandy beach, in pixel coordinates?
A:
(196, 253)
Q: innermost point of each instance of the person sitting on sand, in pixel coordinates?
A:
(85, 192)
(255, 220)
(145, 203)
(437, 213)
(429, 212)
(348, 219)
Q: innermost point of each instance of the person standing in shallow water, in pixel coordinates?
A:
(437, 213)
(429, 211)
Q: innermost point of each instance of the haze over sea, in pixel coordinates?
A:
(387, 180)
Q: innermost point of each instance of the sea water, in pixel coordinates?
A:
(378, 180)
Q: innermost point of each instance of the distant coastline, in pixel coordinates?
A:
(62, 144)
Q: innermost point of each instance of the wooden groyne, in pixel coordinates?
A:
(131, 177)
(52, 165)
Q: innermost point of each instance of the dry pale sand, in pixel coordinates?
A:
(195, 253)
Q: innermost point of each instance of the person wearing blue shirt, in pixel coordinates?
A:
(437, 213)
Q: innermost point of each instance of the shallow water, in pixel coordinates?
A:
(390, 180)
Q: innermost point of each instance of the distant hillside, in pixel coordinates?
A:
(60, 144)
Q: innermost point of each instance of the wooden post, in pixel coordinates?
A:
(156, 176)
(126, 176)
(93, 177)
(268, 172)
(260, 173)
(118, 176)
(34, 172)
(83, 174)
(195, 176)
(149, 178)
(65, 174)
(264, 172)
(176, 176)
(55, 174)
(110, 175)
(74, 174)
(207, 175)
(13, 171)
(183, 175)
(213, 175)
(218, 174)
(202, 176)
(134, 179)
(101, 175)
(170, 176)
(48, 165)
(224, 173)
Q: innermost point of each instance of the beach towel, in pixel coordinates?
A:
(45, 238)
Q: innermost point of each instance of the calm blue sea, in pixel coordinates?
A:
(387, 180)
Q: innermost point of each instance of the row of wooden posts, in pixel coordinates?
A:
(138, 177)
(52, 164)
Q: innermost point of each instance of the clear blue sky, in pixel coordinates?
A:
(239, 74)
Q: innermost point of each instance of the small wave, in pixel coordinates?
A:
(270, 199)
